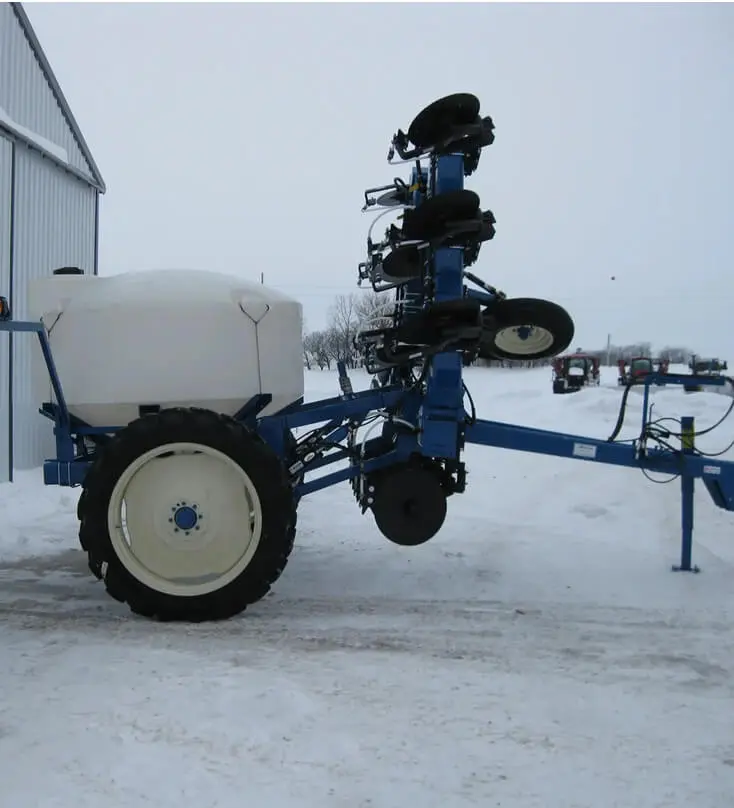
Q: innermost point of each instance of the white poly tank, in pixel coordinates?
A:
(169, 338)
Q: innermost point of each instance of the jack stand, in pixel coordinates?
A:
(687, 489)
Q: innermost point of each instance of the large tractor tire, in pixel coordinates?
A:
(187, 515)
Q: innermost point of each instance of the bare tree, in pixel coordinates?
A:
(374, 310)
(316, 348)
(336, 347)
(343, 327)
(676, 355)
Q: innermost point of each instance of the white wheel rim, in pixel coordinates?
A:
(187, 523)
(522, 340)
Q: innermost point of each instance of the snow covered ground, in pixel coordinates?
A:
(538, 653)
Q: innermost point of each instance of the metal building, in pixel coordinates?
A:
(49, 218)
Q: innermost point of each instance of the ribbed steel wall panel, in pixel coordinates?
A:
(6, 172)
(26, 95)
(54, 226)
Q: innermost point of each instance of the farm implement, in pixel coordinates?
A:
(573, 372)
(179, 420)
(637, 369)
(704, 367)
(709, 367)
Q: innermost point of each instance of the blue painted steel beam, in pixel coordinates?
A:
(577, 447)
(482, 297)
(373, 464)
(339, 408)
(21, 325)
(442, 410)
(57, 472)
(685, 380)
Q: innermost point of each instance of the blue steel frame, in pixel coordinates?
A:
(441, 425)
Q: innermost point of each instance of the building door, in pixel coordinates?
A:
(6, 218)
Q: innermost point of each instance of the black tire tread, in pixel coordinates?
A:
(245, 447)
(526, 311)
(429, 220)
(435, 122)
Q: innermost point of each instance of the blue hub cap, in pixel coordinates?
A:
(524, 331)
(185, 517)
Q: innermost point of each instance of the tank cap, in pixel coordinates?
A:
(68, 271)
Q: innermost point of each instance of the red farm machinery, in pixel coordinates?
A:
(572, 372)
(634, 370)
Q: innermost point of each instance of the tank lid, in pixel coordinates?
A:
(68, 271)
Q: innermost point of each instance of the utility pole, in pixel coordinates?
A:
(609, 350)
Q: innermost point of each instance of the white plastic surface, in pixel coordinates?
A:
(187, 338)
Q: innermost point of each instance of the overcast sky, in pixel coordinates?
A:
(240, 137)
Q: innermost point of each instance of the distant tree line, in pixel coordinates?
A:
(676, 355)
(350, 314)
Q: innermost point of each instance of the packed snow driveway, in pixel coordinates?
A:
(537, 652)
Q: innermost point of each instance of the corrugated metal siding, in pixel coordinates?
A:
(6, 160)
(54, 226)
(26, 95)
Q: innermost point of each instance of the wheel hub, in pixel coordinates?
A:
(185, 518)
